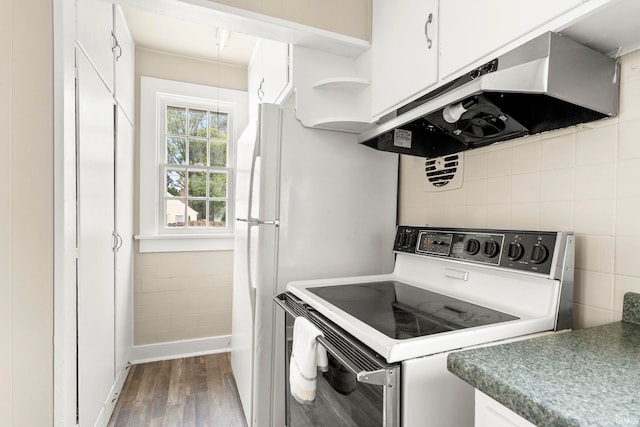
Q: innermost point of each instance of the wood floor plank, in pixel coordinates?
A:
(191, 392)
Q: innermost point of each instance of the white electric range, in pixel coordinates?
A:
(450, 289)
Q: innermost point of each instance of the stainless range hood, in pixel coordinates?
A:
(548, 83)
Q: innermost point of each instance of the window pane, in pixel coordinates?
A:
(175, 212)
(198, 152)
(197, 184)
(217, 214)
(176, 121)
(197, 123)
(218, 123)
(218, 153)
(218, 185)
(197, 213)
(175, 182)
(176, 148)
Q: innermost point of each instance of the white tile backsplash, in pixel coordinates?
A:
(630, 101)
(557, 150)
(595, 253)
(499, 190)
(594, 289)
(595, 216)
(596, 144)
(557, 184)
(629, 140)
(595, 181)
(499, 162)
(526, 157)
(475, 192)
(629, 178)
(525, 188)
(627, 223)
(557, 216)
(475, 166)
(584, 179)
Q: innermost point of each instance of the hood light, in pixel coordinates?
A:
(453, 112)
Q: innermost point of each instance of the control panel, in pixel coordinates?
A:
(530, 251)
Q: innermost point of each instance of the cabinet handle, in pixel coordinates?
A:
(116, 45)
(427, 26)
(260, 91)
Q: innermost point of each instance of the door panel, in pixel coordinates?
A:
(124, 228)
(95, 243)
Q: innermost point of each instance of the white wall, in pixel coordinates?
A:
(181, 295)
(26, 213)
(584, 179)
(351, 17)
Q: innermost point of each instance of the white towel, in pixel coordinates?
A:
(307, 355)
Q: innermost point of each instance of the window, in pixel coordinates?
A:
(197, 177)
(187, 159)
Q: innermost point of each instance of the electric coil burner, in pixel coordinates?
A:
(450, 289)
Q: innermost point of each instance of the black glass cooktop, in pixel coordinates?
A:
(403, 311)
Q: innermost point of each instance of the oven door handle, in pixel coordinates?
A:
(379, 377)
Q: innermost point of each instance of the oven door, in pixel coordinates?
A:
(359, 389)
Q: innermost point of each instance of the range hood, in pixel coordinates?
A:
(548, 83)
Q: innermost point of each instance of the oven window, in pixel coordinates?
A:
(340, 401)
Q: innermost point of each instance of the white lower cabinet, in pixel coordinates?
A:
(490, 413)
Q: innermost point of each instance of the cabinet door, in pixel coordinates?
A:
(275, 70)
(124, 57)
(470, 30)
(404, 51)
(94, 26)
(95, 243)
(124, 229)
(490, 413)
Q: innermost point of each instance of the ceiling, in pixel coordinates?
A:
(180, 37)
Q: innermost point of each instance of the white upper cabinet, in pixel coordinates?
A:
(124, 57)
(404, 51)
(275, 70)
(470, 30)
(95, 23)
(268, 74)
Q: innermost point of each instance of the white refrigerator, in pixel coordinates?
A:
(309, 204)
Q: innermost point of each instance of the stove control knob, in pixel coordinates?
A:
(402, 238)
(491, 249)
(515, 251)
(411, 239)
(539, 253)
(472, 246)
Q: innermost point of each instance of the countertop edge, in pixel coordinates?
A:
(517, 401)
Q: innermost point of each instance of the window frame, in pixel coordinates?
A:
(152, 235)
(171, 100)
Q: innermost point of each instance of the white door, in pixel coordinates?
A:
(243, 312)
(124, 253)
(95, 243)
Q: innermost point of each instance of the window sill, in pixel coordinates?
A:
(184, 243)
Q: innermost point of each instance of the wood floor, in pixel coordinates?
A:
(196, 391)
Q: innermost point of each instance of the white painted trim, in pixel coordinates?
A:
(179, 349)
(180, 243)
(64, 215)
(150, 89)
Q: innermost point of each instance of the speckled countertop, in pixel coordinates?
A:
(588, 377)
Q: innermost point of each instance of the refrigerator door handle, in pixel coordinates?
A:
(253, 222)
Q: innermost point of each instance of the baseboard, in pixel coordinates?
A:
(179, 349)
